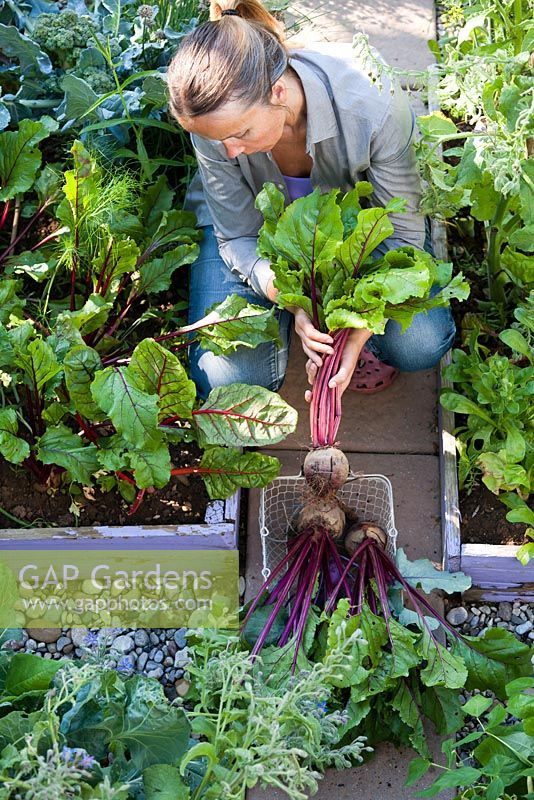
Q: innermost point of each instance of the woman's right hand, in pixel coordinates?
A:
(314, 343)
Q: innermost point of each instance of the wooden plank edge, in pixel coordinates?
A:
(523, 593)
(450, 500)
(175, 535)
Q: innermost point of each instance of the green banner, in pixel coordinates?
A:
(119, 588)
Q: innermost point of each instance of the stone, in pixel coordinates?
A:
(154, 638)
(62, 642)
(524, 628)
(182, 658)
(31, 644)
(141, 661)
(485, 609)
(517, 620)
(179, 637)
(158, 656)
(457, 616)
(46, 635)
(123, 644)
(172, 648)
(151, 665)
(141, 638)
(155, 673)
(505, 611)
(182, 687)
(68, 649)
(78, 635)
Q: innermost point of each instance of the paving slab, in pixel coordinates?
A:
(399, 29)
(402, 419)
(415, 482)
(381, 778)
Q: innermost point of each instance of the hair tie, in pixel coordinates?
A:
(230, 12)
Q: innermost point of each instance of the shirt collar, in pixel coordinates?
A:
(321, 120)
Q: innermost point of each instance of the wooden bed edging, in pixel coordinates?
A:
(219, 531)
(494, 569)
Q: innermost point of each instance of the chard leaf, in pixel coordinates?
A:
(60, 446)
(30, 264)
(155, 275)
(403, 655)
(493, 660)
(13, 448)
(242, 325)
(80, 365)
(443, 668)
(159, 372)
(270, 201)
(116, 256)
(422, 574)
(240, 415)
(39, 364)
(233, 469)
(350, 205)
(20, 158)
(442, 706)
(90, 317)
(173, 225)
(404, 702)
(309, 231)
(133, 412)
(156, 199)
(375, 633)
(372, 227)
(7, 352)
(112, 453)
(10, 303)
(151, 465)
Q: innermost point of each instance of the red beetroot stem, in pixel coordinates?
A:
(303, 618)
(5, 212)
(339, 563)
(278, 569)
(260, 641)
(303, 579)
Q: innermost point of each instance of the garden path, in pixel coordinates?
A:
(394, 432)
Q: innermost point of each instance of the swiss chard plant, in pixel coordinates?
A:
(94, 384)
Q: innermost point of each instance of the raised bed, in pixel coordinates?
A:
(494, 569)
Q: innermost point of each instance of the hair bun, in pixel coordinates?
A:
(233, 12)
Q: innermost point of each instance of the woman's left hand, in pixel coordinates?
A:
(349, 360)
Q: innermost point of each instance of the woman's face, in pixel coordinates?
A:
(242, 129)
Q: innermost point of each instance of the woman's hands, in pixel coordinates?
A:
(317, 344)
(349, 360)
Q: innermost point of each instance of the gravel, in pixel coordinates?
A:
(157, 653)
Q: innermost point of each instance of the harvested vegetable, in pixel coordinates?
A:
(320, 248)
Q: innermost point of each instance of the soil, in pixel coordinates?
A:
(182, 501)
(484, 519)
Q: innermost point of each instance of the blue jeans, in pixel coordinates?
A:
(423, 344)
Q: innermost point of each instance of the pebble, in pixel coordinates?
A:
(123, 644)
(155, 673)
(62, 642)
(158, 657)
(141, 638)
(45, 635)
(524, 628)
(457, 616)
(505, 611)
(77, 636)
(180, 638)
(141, 661)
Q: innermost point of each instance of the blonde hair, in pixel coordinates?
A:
(232, 57)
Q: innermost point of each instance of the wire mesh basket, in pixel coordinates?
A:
(370, 496)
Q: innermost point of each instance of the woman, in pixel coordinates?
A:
(257, 112)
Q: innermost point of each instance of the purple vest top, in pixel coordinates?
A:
(297, 187)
